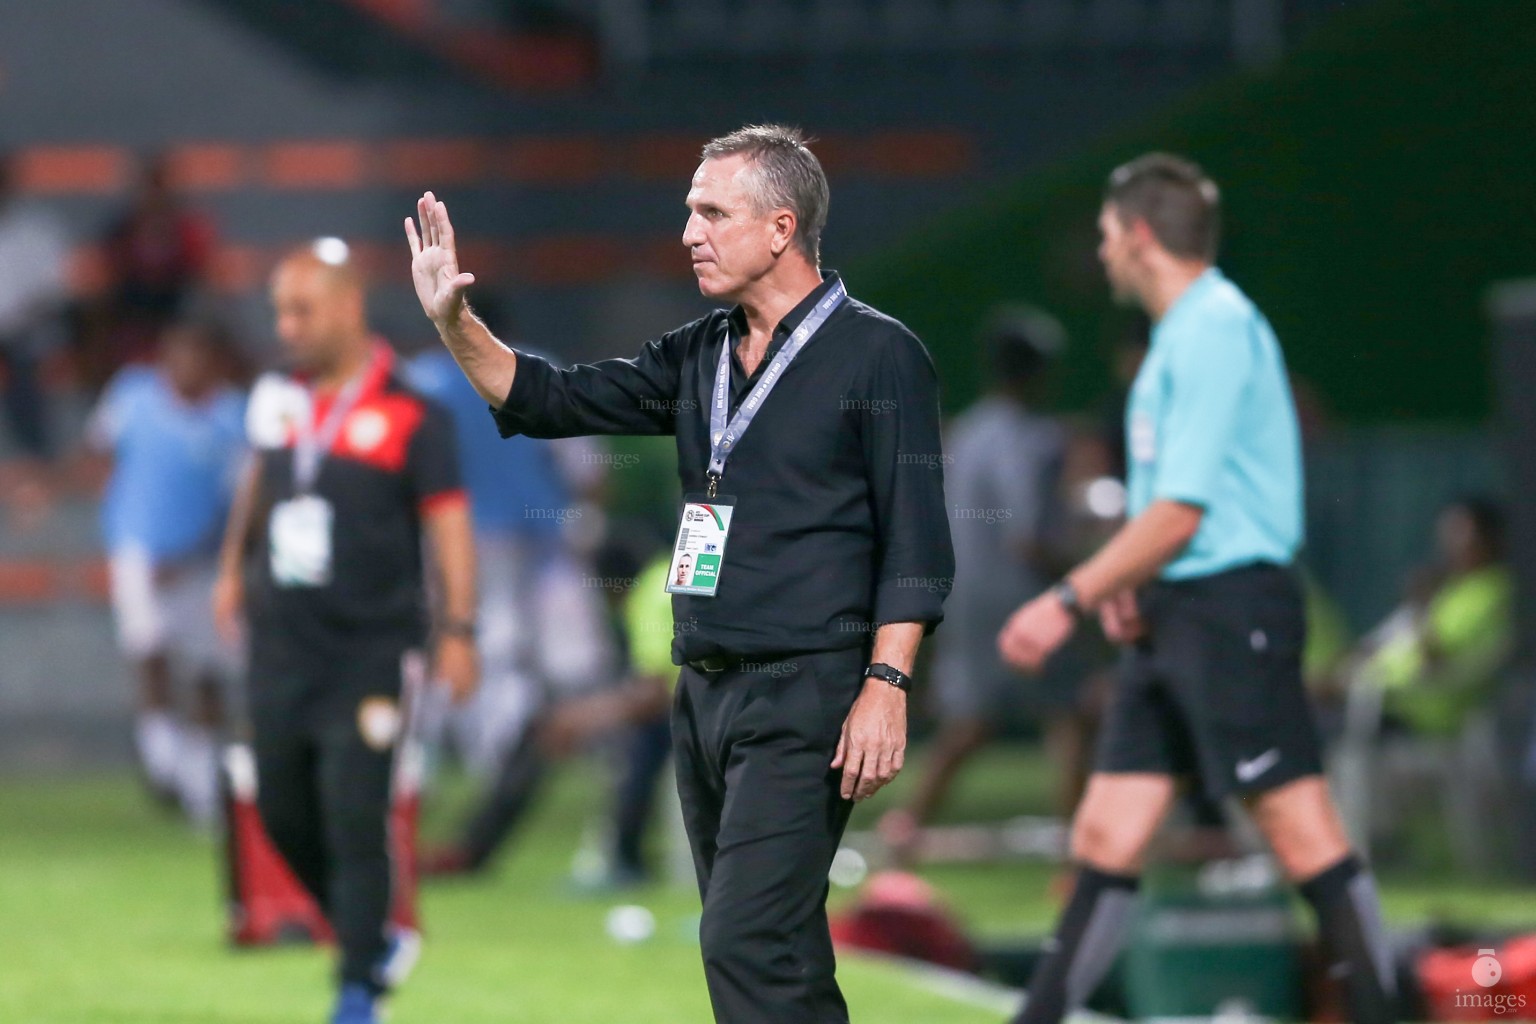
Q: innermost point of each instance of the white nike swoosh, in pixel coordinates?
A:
(1251, 769)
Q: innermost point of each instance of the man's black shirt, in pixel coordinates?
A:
(839, 523)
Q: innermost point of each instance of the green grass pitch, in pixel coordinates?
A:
(112, 915)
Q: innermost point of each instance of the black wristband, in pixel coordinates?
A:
(895, 676)
(457, 627)
(1066, 593)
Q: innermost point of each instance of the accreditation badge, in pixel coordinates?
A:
(299, 540)
(700, 549)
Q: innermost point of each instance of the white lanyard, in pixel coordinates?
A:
(724, 436)
(310, 443)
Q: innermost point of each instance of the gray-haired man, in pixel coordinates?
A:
(807, 424)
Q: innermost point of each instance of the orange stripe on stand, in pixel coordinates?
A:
(426, 163)
(657, 157)
(564, 260)
(37, 583)
(55, 169)
(552, 161)
(208, 166)
(320, 165)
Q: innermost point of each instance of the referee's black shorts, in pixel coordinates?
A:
(1215, 690)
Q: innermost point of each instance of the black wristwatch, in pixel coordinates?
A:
(895, 676)
(1066, 593)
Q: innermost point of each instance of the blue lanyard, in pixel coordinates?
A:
(725, 436)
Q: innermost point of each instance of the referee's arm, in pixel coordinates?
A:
(1137, 551)
(1206, 371)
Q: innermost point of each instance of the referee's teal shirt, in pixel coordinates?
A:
(1211, 423)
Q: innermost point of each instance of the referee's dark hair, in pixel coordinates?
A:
(1174, 196)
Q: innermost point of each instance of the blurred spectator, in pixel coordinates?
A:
(541, 624)
(1125, 361)
(156, 253)
(1421, 684)
(543, 629)
(34, 276)
(1002, 484)
(174, 435)
(637, 714)
(1440, 654)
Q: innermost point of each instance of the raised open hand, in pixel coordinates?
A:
(435, 262)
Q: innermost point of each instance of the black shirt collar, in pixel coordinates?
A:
(738, 316)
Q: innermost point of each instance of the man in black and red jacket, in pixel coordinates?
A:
(351, 467)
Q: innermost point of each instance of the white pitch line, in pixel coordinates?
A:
(965, 988)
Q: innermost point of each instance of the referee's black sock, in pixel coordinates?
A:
(1349, 921)
(1087, 938)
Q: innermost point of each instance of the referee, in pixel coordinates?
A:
(351, 470)
(813, 549)
(1199, 584)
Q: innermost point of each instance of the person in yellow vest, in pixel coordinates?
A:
(1439, 656)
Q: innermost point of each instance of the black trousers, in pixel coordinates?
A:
(326, 718)
(754, 746)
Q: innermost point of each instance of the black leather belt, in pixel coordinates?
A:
(726, 662)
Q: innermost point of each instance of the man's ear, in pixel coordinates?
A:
(784, 224)
(1142, 232)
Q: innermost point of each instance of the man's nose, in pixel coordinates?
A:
(693, 231)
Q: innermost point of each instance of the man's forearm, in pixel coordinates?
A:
(1137, 551)
(896, 645)
(489, 365)
(453, 549)
(241, 511)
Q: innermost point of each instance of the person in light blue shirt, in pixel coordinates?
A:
(174, 435)
(1198, 586)
(1210, 423)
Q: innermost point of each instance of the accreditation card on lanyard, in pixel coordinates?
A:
(699, 552)
(301, 531)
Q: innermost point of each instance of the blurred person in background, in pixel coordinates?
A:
(157, 253)
(1003, 488)
(544, 634)
(1198, 584)
(637, 714)
(34, 286)
(354, 482)
(634, 714)
(1440, 655)
(173, 437)
(1433, 667)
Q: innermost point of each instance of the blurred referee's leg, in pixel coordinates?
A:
(1115, 824)
(1304, 830)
